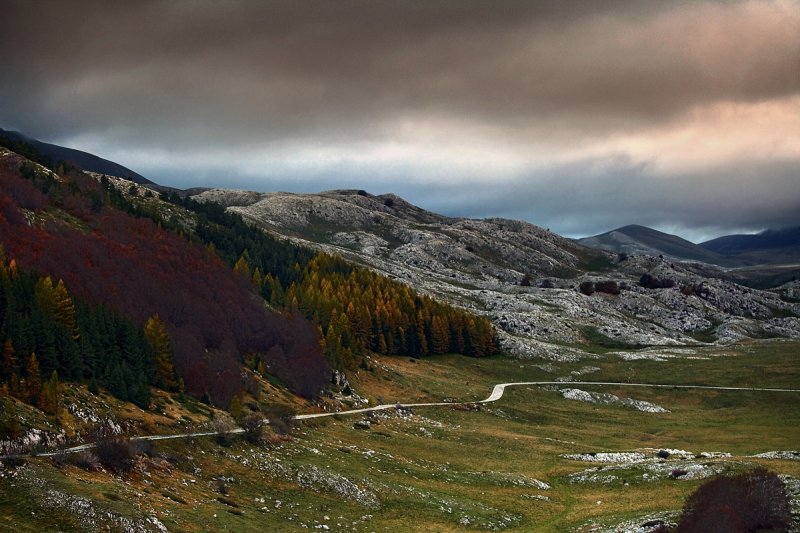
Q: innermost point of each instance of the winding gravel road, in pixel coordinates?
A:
(497, 393)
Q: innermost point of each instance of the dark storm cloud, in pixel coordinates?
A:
(228, 71)
(503, 96)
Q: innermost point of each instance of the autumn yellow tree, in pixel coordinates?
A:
(54, 300)
(50, 396)
(33, 378)
(164, 367)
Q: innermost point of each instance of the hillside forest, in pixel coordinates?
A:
(109, 288)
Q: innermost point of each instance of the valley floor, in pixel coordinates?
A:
(563, 455)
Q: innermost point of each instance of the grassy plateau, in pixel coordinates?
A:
(519, 464)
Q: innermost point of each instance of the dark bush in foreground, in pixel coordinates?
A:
(754, 501)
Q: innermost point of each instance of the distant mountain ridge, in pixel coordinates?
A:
(84, 160)
(635, 239)
(772, 239)
(770, 247)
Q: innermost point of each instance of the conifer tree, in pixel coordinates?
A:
(33, 379)
(50, 397)
(158, 338)
(242, 266)
(54, 301)
(9, 367)
(258, 279)
(235, 408)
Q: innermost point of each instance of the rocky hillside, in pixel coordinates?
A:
(532, 283)
(389, 228)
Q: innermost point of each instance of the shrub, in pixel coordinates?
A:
(649, 282)
(253, 425)
(753, 501)
(223, 425)
(143, 447)
(280, 418)
(587, 288)
(116, 455)
(86, 461)
(60, 460)
(608, 287)
(12, 461)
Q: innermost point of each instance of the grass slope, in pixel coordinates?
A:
(447, 469)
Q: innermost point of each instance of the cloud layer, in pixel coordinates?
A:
(578, 116)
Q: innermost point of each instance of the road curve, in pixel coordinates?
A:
(497, 393)
(500, 388)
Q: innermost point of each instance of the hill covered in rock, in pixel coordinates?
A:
(547, 295)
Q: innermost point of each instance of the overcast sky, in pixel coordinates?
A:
(578, 116)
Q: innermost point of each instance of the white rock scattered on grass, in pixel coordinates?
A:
(714, 455)
(540, 497)
(607, 457)
(605, 398)
(648, 470)
(791, 455)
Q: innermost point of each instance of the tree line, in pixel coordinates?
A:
(67, 228)
(48, 335)
(355, 310)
